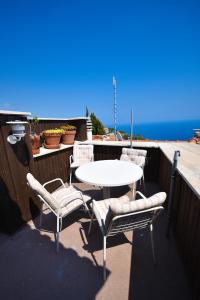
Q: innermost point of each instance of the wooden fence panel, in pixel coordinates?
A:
(15, 164)
(81, 133)
(114, 152)
(18, 204)
(52, 166)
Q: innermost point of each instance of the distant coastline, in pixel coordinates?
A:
(172, 130)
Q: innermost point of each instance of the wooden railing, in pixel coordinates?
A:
(185, 222)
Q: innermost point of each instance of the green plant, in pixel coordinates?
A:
(122, 131)
(68, 127)
(125, 136)
(33, 122)
(86, 112)
(55, 131)
(138, 137)
(97, 126)
(111, 129)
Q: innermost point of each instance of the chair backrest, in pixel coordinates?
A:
(137, 214)
(138, 160)
(134, 152)
(43, 194)
(83, 153)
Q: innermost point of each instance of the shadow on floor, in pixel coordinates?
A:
(31, 269)
(166, 280)
(94, 241)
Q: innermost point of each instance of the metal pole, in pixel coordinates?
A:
(131, 138)
(173, 173)
(115, 105)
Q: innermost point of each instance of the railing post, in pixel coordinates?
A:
(171, 191)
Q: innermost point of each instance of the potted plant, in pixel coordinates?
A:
(197, 133)
(34, 137)
(52, 138)
(68, 135)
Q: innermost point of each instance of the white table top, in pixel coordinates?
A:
(108, 173)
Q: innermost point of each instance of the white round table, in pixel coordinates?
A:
(109, 173)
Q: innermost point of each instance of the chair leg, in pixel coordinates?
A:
(143, 181)
(91, 221)
(57, 234)
(133, 190)
(104, 258)
(152, 243)
(40, 222)
(70, 177)
(41, 212)
(61, 224)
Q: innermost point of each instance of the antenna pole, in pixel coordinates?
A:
(115, 105)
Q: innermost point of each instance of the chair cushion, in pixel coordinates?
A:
(102, 210)
(119, 208)
(138, 160)
(62, 192)
(40, 190)
(66, 202)
(134, 152)
(82, 153)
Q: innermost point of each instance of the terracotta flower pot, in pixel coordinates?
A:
(35, 143)
(68, 137)
(52, 140)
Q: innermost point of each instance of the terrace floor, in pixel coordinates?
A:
(30, 268)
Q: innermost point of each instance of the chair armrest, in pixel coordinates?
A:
(139, 193)
(56, 179)
(64, 199)
(97, 212)
(70, 159)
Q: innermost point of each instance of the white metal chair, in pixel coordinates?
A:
(82, 154)
(117, 215)
(61, 202)
(137, 156)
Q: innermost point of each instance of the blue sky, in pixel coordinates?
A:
(56, 57)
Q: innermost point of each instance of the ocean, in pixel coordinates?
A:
(173, 130)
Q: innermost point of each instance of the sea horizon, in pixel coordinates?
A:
(163, 130)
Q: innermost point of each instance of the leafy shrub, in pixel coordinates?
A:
(138, 137)
(33, 124)
(125, 136)
(111, 129)
(97, 126)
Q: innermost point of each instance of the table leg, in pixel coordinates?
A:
(134, 189)
(106, 192)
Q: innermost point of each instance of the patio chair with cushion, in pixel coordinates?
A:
(61, 202)
(82, 154)
(137, 156)
(117, 215)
